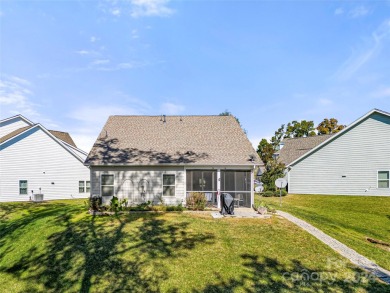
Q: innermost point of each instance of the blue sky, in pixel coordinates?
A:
(71, 64)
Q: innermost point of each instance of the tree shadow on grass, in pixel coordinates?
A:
(27, 214)
(269, 275)
(117, 253)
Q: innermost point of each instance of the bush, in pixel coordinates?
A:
(159, 208)
(94, 203)
(196, 201)
(145, 206)
(277, 193)
(117, 205)
(268, 193)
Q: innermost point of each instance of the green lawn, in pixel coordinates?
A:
(349, 219)
(58, 247)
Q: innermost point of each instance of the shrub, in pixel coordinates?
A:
(268, 193)
(179, 207)
(145, 206)
(94, 203)
(277, 193)
(196, 201)
(159, 208)
(117, 205)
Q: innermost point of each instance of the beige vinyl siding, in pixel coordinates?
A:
(39, 159)
(127, 180)
(11, 125)
(349, 164)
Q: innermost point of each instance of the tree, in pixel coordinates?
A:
(273, 171)
(278, 137)
(329, 126)
(227, 113)
(265, 151)
(300, 129)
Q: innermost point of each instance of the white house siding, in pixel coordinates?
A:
(11, 125)
(357, 154)
(41, 161)
(126, 182)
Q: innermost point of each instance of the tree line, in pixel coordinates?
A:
(266, 149)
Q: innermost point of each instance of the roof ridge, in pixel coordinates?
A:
(169, 115)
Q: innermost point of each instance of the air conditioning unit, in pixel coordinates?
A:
(37, 197)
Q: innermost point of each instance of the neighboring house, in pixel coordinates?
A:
(291, 149)
(36, 160)
(354, 161)
(154, 158)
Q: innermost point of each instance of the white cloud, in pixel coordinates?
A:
(360, 57)
(115, 11)
(87, 52)
(137, 8)
(171, 108)
(339, 11)
(381, 93)
(93, 39)
(91, 119)
(100, 61)
(134, 34)
(325, 102)
(150, 8)
(15, 94)
(358, 11)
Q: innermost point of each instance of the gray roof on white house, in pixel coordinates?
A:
(190, 140)
(296, 147)
(336, 135)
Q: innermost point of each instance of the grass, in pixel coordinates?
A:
(58, 247)
(349, 219)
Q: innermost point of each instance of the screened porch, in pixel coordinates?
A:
(235, 182)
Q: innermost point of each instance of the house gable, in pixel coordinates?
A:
(347, 163)
(20, 134)
(172, 140)
(11, 124)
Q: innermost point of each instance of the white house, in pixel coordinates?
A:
(354, 161)
(36, 160)
(149, 158)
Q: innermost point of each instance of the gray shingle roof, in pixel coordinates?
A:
(64, 136)
(14, 133)
(195, 140)
(296, 147)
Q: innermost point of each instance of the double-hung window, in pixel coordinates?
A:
(107, 185)
(81, 186)
(168, 185)
(383, 179)
(22, 186)
(84, 186)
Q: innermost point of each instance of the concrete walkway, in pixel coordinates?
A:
(344, 250)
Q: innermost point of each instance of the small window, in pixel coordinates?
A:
(22, 186)
(88, 186)
(81, 187)
(107, 185)
(383, 179)
(168, 185)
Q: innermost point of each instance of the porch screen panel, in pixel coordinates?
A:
(236, 180)
(201, 180)
(238, 184)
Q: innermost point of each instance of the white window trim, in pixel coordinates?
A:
(84, 186)
(101, 189)
(26, 187)
(377, 179)
(162, 184)
(89, 186)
